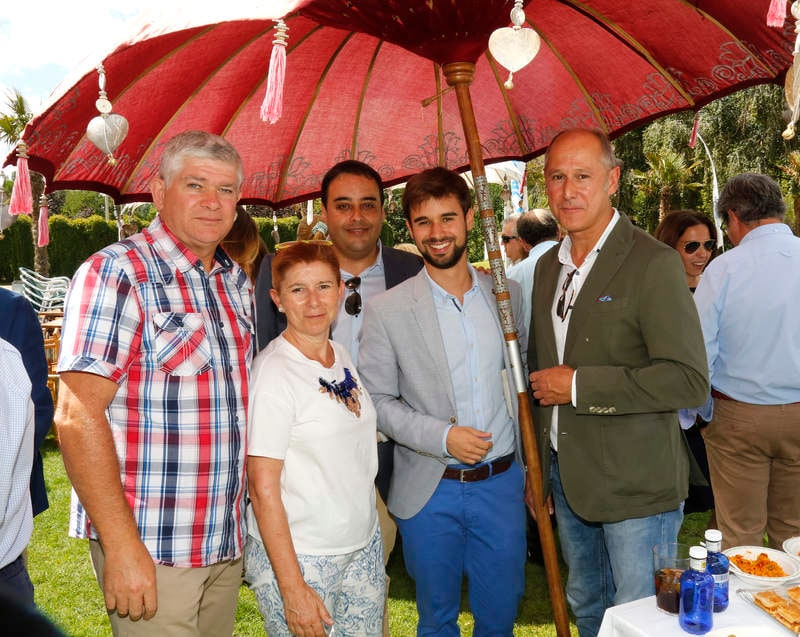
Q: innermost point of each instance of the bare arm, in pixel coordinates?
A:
(304, 610)
(129, 577)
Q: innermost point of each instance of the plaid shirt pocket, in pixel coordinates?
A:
(181, 345)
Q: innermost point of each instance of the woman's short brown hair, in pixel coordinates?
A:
(288, 255)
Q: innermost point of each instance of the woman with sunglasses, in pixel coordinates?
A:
(694, 236)
(313, 555)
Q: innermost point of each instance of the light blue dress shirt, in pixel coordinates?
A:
(474, 347)
(748, 301)
(346, 328)
(522, 273)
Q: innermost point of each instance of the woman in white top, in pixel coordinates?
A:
(313, 554)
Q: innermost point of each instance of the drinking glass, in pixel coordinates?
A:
(669, 561)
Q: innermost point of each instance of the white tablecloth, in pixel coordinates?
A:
(642, 619)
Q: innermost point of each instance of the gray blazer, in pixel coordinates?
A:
(403, 365)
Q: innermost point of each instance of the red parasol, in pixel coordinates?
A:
(363, 80)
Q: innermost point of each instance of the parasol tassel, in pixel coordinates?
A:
(777, 13)
(21, 196)
(693, 136)
(44, 224)
(272, 108)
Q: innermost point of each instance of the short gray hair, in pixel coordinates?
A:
(196, 143)
(752, 196)
(536, 226)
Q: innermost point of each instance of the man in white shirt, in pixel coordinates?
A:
(609, 372)
(16, 461)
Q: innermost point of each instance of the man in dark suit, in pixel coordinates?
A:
(352, 209)
(20, 326)
(616, 349)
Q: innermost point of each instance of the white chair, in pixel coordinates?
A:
(44, 293)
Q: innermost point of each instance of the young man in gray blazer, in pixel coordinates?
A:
(434, 361)
(618, 350)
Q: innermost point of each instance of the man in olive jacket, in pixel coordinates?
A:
(616, 349)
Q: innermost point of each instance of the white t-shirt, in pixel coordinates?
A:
(329, 454)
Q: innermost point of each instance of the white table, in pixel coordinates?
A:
(642, 619)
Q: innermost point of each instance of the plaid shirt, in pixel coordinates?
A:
(178, 341)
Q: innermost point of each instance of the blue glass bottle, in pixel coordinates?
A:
(696, 614)
(718, 564)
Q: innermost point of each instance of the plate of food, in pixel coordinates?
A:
(762, 568)
(781, 604)
(792, 547)
(747, 631)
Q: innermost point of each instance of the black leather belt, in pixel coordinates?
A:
(477, 474)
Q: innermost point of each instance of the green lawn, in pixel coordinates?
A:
(67, 591)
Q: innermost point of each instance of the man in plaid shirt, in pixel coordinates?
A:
(156, 348)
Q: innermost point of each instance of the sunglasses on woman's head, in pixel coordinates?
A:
(690, 247)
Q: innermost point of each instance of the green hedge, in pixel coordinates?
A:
(16, 249)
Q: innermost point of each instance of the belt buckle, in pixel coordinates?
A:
(461, 474)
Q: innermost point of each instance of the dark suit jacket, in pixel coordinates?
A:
(634, 337)
(19, 325)
(397, 267)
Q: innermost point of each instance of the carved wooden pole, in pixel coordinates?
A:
(459, 75)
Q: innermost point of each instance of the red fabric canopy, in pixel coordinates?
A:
(363, 80)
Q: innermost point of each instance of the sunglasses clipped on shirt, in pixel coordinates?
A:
(352, 304)
(564, 306)
(690, 247)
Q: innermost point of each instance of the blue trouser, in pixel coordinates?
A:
(609, 563)
(16, 583)
(475, 529)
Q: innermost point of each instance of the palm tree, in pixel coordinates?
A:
(791, 170)
(668, 175)
(12, 123)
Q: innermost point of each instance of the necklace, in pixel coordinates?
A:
(345, 391)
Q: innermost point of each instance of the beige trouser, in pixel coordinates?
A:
(754, 462)
(192, 602)
(389, 535)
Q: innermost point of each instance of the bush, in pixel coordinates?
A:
(16, 249)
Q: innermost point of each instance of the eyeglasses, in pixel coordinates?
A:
(352, 304)
(313, 242)
(563, 306)
(508, 238)
(690, 247)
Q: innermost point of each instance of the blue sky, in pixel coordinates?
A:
(36, 54)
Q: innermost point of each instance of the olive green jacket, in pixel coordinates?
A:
(634, 338)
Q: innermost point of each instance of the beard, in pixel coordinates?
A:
(446, 261)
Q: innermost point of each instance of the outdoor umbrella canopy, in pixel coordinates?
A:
(364, 80)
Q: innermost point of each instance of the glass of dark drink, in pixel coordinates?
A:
(669, 561)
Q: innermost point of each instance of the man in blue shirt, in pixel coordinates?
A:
(538, 232)
(433, 359)
(748, 301)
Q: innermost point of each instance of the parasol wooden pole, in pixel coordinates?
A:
(459, 75)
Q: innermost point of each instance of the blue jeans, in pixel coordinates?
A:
(475, 529)
(609, 563)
